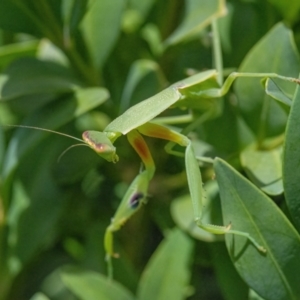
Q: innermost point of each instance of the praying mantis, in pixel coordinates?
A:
(138, 121)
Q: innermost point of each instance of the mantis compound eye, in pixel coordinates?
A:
(101, 144)
(135, 200)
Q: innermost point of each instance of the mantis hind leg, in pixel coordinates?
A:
(194, 179)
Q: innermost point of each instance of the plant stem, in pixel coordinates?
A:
(217, 51)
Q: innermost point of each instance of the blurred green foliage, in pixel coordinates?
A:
(76, 65)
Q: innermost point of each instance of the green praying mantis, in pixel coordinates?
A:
(201, 90)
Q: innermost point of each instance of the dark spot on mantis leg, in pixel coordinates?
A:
(135, 200)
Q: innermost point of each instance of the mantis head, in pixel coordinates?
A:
(101, 144)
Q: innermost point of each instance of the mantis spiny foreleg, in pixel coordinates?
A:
(135, 196)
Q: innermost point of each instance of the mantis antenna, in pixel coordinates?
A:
(56, 132)
(69, 148)
(47, 130)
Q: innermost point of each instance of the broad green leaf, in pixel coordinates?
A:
(251, 211)
(226, 274)
(2, 147)
(39, 296)
(152, 36)
(289, 12)
(73, 12)
(273, 90)
(21, 22)
(148, 109)
(35, 208)
(101, 28)
(135, 15)
(28, 104)
(29, 76)
(124, 270)
(73, 167)
(228, 139)
(19, 202)
(138, 71)
(131, 21)
(264, 168)
(142, 7)
(183, 214)
(61, 113)
(291, 159)
(89, 285)
(47, 51)
(264, 57)
(11, 52)
(254, 296)
(167, 273)
(198, 15)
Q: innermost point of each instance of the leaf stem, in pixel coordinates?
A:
(217, 51)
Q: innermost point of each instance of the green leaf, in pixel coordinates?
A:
(226, 274)
(19, 202)
(2, 147)
(138, 71)
(12, 52)
(101, 28)
(142, 7)
(35, 208)
(273, 90)
(251, 211)
(275, 52)
(234, 132)
(167, 274)
(89, 285)
(152, 36)
(39, 296)
(73, 12)
(291, 160)
(135, 15)
(264, 168)
(21, 22)
(60, 114)
(29, 76)
(289, 12)
(198, 15)
(254, 296)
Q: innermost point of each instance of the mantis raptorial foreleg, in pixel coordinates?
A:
(139, 145)
(135, 196)
(132, 201)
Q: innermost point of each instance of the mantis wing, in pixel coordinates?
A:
(148, 109)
